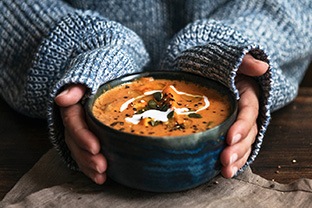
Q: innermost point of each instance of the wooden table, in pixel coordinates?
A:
(286, 153)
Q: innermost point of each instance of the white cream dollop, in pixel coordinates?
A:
(158, 115)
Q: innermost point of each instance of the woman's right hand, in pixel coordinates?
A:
(82, 143)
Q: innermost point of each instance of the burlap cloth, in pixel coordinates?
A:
(50, 184)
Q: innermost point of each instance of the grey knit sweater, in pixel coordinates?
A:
(47, 44)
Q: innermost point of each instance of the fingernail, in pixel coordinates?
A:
(63, 92)
(233, 158)
(236, 138)
(96, 180)
(265, 65)
(234, 171)
(98, 169)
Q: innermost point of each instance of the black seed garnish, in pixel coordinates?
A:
(194, 115)
(117, 122)
(114, 123)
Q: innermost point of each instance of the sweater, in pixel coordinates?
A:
(48, 44)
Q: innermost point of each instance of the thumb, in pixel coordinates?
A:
(252, 67)
(70, 95)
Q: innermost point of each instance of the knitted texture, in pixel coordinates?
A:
(46, 45)
(24, 24)
(106, 50)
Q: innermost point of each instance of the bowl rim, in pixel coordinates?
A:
(132, 76)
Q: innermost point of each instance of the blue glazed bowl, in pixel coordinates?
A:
(162, 164)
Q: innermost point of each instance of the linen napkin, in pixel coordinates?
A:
(51, 184)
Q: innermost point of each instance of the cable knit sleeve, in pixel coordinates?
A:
(214, 44)
(46, 45)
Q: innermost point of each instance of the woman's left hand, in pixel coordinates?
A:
(243, 132)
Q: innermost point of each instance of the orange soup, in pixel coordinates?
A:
(160, 107)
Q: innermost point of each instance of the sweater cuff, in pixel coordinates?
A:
(91, 69)
(89, 50)
(216, 51)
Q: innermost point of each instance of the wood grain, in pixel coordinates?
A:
(286, 153)
(23, 142)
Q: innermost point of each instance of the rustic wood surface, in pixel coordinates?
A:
(23, 142)
(286, 153)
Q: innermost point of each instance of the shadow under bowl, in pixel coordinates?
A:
(162, 164)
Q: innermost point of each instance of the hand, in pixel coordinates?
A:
(83, 144)
(243, 132)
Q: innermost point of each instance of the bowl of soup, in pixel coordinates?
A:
(162, 131)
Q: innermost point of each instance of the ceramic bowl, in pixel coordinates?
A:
(162, 164)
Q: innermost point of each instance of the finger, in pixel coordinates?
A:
(93, 166)
(230, 170)
(240, 162)
(98, 178)
(235, 152)
(71, 95)
(73, 119)
(86, 159)
(234, 157)
(252, 67)
(248, 107)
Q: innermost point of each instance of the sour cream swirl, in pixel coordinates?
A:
(158, 115)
